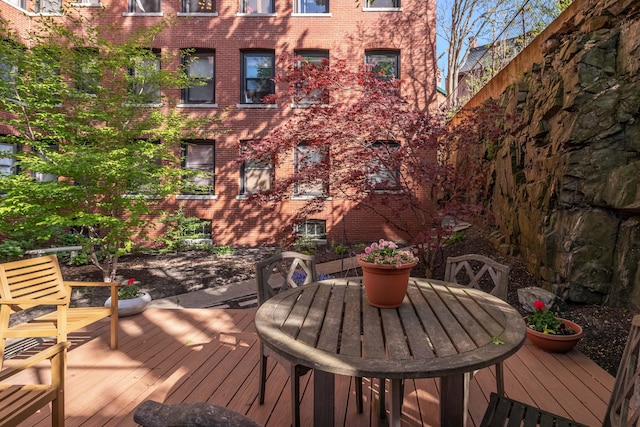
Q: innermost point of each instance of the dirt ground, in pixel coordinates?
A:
(605, 328)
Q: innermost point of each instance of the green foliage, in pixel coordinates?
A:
(546, 321)
(305, 245)
(490, 150)
(457, 236)
(10, 250)
(224, 250)
(84, 124)
(180, 227)
(341, 249)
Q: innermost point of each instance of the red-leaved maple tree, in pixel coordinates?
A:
(355, 137)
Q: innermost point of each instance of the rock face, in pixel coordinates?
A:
(567, 178)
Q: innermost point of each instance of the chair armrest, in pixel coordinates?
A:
(45, 354)
(74, 283)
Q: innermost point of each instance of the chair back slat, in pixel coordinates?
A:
(284, 271)
(33, 278)
(624, 406)
(469, 270)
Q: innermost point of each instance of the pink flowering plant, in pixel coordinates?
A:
(386, 252)
(545, 321)
(129, 289)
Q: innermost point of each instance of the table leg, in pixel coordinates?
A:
(323, 398)
(454, 390)
(396, 403)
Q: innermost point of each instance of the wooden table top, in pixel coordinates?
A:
(440, 329)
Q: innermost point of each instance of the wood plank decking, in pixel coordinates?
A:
(212, 355)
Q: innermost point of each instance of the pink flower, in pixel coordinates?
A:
(367, 250)
(538, 305)
(131, 281)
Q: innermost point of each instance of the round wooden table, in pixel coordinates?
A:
(441, 330)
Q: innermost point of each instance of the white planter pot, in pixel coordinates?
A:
(129, 307)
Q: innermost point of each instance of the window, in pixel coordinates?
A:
(22, 4)
(380, 4)
(198, 6)
(43, 176)
(7, 162)
(258, 72)
(144, 6)
(313, 229)
(52, 7)
(255, 175)
(310, 60)
(306, 157)
(311, 6)
(86, 73)
(9, 73)
(257, 6)
(381, 177)
(199, 156)
(201, 66)
(145, 85)
(386, 64)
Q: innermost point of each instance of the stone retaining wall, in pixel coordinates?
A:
(566, 183)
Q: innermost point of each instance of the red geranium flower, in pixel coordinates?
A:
(539, 305)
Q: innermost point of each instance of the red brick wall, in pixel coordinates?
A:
(345, 34)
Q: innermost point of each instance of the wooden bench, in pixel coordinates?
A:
(38, 282)
(18, 402)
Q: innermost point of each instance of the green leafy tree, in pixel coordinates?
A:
(99, 145)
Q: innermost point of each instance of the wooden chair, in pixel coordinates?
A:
(624, 404)
(274, 275)
(502, 410)
(278, 273)
(470, 270)
(38, 281)
(19, 402)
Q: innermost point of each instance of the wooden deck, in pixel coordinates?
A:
(212, 355)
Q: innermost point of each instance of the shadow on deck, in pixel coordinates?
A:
(212, 355)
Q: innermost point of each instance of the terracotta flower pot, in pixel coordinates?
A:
(385, 285)
(556, 343)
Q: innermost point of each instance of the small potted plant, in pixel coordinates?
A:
(131, 300)
(549, 332)
(386, 270)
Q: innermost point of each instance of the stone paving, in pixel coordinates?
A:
(240, 294)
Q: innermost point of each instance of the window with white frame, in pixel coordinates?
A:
(384, 63)
(258, 71)
(22, 4)
(382, 4)
(257, 6)
(315, 229)
(383, 174)
(144, 78)
(49, 7)
(198, 6)
(255, 175)
(87, 73)
(144, 6)
(7, 161)
(310, 60)
(311, 6)
(307, 156)
(200, 66)
(43, 176)
(8, 76)
(199, 156)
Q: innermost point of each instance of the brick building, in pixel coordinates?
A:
(237, 43)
